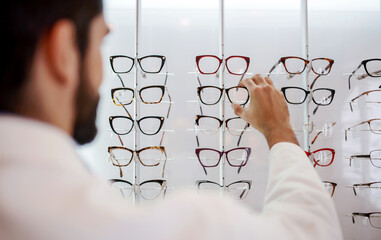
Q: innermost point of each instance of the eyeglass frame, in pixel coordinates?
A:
(364, 215)
(137, 152)
(306, 63)
(307, 92)
(111, 119)
(198, 58)
(364, 156)
(333, 184)
(368, 185)
(309, 154)
(163, 184)
(367, 121)
(249, 183)
(198, 117)
(112, 58)
(363, 63)
(163, 89)
(221, 153)
(362, 94)
(199, 89)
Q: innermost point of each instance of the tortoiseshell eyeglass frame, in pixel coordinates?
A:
(367, 215)
(283, 60)
(162, 183)
(112, 157)
(162, 88)
(367, 185)
(333, 186)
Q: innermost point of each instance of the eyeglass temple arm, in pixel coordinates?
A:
(199, 104)
(162, 137)
(314, 81)
(170, 102)
(317, 107)
(273, 67)
(350, 76)
(129, 115)
(197, 141)
(346, 130)
(165, 163)
(120, 139)
(165, 190)
(199, 81)
(243, 193)
(240, 136)
(365, 75)
(121, 81)
(206, 173)
(357, 156)
(166, 75)
(120, 168)
(317, 135)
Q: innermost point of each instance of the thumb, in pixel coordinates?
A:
(238, 110)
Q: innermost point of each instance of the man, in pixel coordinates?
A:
(49, 93)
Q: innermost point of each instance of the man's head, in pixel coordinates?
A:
(53, 68)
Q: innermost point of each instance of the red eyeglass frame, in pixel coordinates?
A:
(309, 153)
(198, 58)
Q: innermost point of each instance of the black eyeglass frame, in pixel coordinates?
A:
(112, 118)
(306, 92)
(139, 60)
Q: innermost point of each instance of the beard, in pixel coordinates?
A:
(85, 129)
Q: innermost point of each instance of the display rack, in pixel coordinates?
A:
(305, 55)
(136, 142)
(222, 85)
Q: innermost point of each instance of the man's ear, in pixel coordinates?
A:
(62, 53)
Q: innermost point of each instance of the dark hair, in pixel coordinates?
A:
(24, 23)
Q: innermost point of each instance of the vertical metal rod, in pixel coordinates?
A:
(305, 55)
(136, 142)
(222, 85)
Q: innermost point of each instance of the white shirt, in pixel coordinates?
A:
(47, 193)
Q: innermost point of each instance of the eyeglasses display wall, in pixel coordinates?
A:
(170, 74)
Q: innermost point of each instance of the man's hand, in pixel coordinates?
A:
(267, 110)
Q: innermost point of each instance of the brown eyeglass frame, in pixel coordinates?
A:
(362, 185)
(198, 58)
(362, 94)
(368, 215)
(306, 62)
(367, 121)
(163, 89)
(333, 186)
(161, 148)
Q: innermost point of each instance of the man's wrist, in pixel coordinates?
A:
(285, 134)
